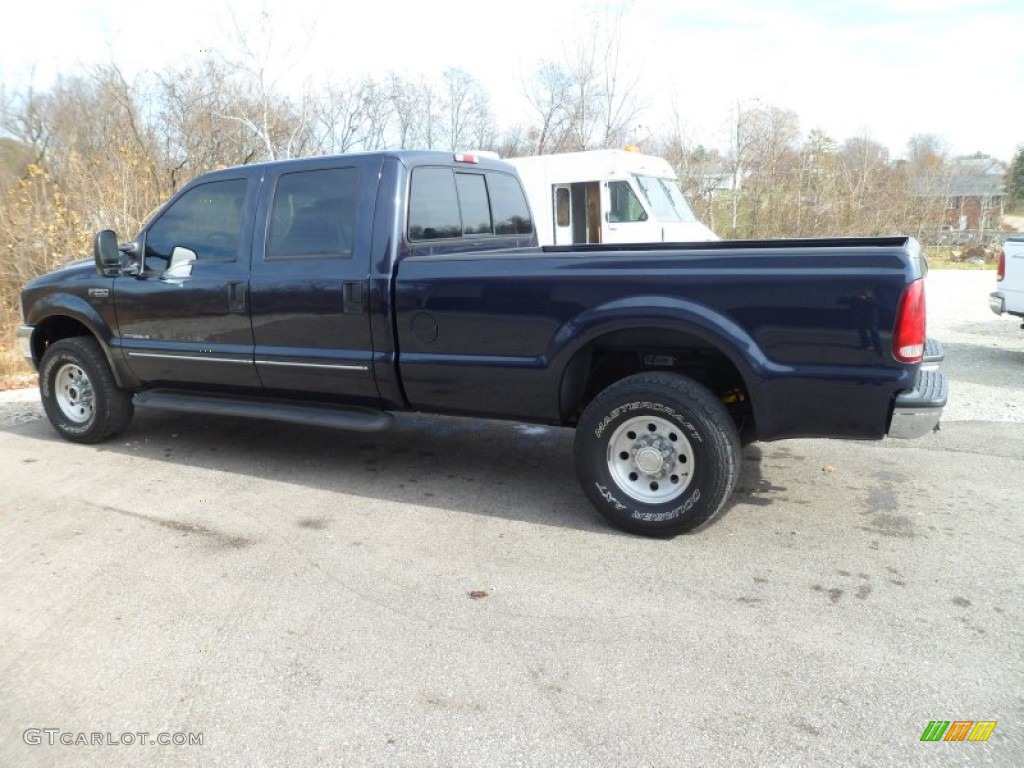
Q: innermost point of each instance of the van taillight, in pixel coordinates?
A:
(1001, 271)
(909, 334)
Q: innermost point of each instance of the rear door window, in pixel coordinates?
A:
(313, 215)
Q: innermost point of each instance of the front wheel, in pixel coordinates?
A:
(657, 454)
(80, 396)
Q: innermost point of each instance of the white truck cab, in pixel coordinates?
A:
(1009, 298)
(607, 196)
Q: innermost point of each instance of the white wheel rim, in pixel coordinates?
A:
(650, 459)
(73, 392)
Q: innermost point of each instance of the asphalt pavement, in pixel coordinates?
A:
(443, 594)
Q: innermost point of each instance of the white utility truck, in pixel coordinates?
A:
(607, 196)
(1009, 299)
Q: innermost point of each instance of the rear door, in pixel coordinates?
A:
(563, 214)
(310, 278)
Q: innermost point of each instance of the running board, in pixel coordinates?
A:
(294, 412)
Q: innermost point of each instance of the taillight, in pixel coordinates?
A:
(909, 335)
(1001, 271)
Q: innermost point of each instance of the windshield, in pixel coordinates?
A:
(666, 199)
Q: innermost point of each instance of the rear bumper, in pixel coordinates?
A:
(933, 355)
(997, 303)
(917, 411)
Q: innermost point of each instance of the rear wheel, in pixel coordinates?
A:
(80, 396)
(657, 454)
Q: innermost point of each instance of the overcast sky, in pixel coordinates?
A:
(886, 69)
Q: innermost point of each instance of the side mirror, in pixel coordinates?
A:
(181, 263)
(106, 253)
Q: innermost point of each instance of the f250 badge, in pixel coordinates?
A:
(99, 293)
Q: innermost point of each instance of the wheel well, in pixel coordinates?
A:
(617, 355)
(52, 330)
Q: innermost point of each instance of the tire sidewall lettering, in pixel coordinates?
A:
(696, 414)
(659, 517)
(46, 388)
(610, 497)
(48, 374)
(630, 409)
(644, 405)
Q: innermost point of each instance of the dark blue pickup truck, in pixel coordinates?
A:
(335, 290)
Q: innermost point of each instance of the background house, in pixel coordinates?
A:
(968, 196)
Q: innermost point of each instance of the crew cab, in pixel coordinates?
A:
(338, 290)
(1009, 298)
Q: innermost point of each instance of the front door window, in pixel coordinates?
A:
(206, 220)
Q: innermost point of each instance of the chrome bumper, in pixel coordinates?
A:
(917, 411)
(25, 342)
(997, 303)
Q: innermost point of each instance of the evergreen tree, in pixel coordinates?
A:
(1015, 180)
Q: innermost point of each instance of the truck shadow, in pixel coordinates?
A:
(497, 469)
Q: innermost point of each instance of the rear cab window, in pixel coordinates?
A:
(453, 204)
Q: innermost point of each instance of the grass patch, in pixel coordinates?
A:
(15, 372)
(971, 257)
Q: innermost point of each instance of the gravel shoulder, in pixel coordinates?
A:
(984, 351)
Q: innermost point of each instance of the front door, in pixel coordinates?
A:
(310, 278)
(185, 318)
(626, 219)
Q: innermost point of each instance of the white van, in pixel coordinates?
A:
(607, 196)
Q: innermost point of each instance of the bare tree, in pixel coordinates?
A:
(864, 168)
(548, 92)
(817, 185)
(590, 98)
(620, 99)
(401, 95)
(700, 170)
(23, 117)
(466, 108)
(283, 127)
(416, 109)
(196, 134)
(353, 115)
(379, 113)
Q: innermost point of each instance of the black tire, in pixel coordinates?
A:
(657, 454)
(80, 396)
